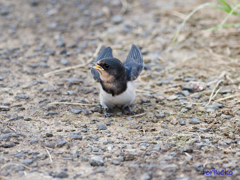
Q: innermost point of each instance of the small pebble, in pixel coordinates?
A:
(65, 62)
(76, 137)
(101, 126)
(50, 144)
(22, 96)
(76, 111)
(61, 175)
(117, 19)
(61, 142)
(50, 113)
(194, 121)
(27, 161)
(182, 122)
(4, 108)
(224, 116)
(96, 161)
(8, 145)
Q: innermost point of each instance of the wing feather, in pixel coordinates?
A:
(134, 63)
(106, 53)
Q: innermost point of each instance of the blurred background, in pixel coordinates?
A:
(187, 104)
(75, 28)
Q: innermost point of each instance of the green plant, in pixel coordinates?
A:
(223, 6)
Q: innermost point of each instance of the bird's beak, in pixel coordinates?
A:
(98, 68)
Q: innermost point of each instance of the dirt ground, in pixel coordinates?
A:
(187, 104)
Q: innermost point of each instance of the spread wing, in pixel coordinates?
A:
(106, 53)
(134, 63)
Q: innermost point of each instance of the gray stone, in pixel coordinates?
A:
(133, 125)
(2, 160)
(101, 126)
(182, 122)
(183, 110)
(61, 175)
(213, 107)
(226, 91)
(197, 165)
(27, 161)
(224, 116)
(116, 162)
(76, 137)
(145, 176)
(22, 96)
(194, 121)
(157, 147)
(183, 178)
(210, 109)
(33, 65)
(20, 155)
(4, 108)
(169, 167)
(165, 133)
(5, 137)
(33, 141)
(34, 2)
(8, 145)
(96, 161)
(74, 81)
(85, 112)
(95, 149)
(50, 144)
(50, 113)
(189, 79)
(42, 156)
(65, 62)
(61, 142)
(60, 43)
(187, 149)
(84, 130)
(117, 19)
(238, 112)
(172, 97)
(160, 115)
(4, 11)
(76, 111)
(108, 123)
(184, 92)
(188, 88)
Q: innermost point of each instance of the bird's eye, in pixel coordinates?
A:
(106, 66)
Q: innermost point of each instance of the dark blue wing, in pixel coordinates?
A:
(106, 53)
(134, 63)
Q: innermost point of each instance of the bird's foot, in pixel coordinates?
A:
(127, 110)
(108, 113)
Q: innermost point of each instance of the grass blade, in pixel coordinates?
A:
(223, 26)
(230, 13)
(226, 4)
(223, 8)
(188, 16)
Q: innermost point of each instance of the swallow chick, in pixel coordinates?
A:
(117, 79)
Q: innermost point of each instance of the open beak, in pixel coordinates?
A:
(98, 68)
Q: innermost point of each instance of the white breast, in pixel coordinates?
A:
(124, 99)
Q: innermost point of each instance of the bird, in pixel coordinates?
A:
(117, 79)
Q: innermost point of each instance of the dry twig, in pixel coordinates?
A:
(70, 103)
(77, 66)
(50, 157)
(211, 96)
(11, 128)
(228, 97)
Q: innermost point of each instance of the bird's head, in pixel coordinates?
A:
(110, 69)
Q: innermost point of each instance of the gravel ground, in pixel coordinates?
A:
(187, 105)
